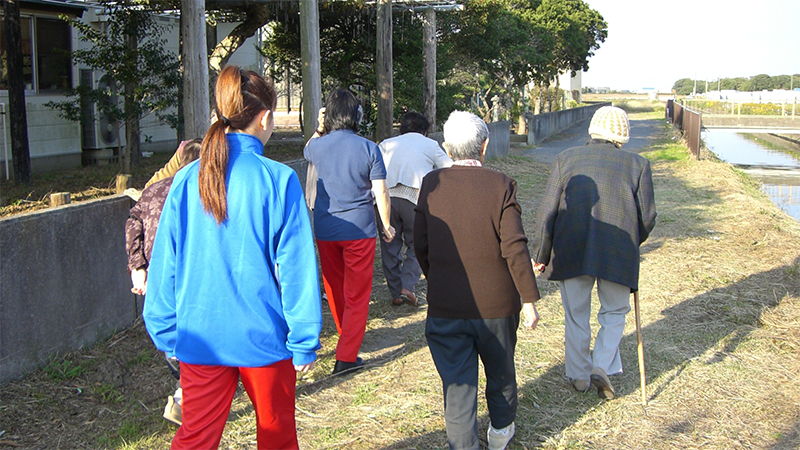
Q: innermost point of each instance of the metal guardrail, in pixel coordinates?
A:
(689, 122)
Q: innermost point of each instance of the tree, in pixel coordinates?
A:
(129, 52)
(497, 46)
(18, 118)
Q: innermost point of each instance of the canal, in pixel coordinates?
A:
(768, 159)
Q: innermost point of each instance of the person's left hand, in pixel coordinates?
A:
(139, 280)
(133, 193)
(530, 317)
(305, 367)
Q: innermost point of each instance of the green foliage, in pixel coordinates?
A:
(685, 86)
(64, 369)
(492, 47)
(130, 53)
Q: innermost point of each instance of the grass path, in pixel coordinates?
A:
(720, 301)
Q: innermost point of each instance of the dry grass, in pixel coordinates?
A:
(720, 284)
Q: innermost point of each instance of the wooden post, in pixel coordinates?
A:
(195, 69)
(123, 182)
(309, 54)
(429, 66)
(59, 198)
(383, 71)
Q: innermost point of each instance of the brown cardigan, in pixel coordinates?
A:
(469, 241)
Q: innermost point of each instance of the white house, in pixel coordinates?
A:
(56, 143)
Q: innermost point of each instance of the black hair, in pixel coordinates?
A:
(414, 122)
(342, 111)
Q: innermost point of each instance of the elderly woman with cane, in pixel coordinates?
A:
(597, 209)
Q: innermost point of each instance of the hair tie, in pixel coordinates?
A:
(225, 120)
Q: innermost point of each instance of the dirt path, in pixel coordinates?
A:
(643, 132)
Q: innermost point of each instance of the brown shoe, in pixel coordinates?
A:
(397, 301)
(408, 297)
(600, 380)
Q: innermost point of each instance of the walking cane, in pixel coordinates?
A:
(640, 346)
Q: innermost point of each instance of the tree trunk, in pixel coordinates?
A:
(312, 78)
(131, 120)
(195, 69)
(383, 71)
(429, 66)
(257, 15)
(18, 119)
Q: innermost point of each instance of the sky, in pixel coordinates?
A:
(654, 43)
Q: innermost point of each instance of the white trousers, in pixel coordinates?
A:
(576, 295)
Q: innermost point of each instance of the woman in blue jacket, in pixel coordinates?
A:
(233, 283)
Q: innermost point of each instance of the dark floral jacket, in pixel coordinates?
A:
(140, 229)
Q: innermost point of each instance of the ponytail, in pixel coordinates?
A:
(240, 96)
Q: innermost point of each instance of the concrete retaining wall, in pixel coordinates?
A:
(63, 280)
(542, 126)
(499, 139)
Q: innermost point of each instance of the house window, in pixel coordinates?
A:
(27, 68)
(53, 65)
(49, 68)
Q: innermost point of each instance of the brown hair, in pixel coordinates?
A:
(190, 150)
(240, 96)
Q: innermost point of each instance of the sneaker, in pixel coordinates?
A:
(498, 439)
(600, 380)
(172, 411)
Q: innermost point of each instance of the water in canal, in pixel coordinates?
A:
(771, 160)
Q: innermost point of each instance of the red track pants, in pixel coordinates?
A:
(347, 274)
(207, 395)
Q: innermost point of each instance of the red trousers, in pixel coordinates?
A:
(207, 395)
(347, 274)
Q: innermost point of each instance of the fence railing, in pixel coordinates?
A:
(743, 107)
(689, 122)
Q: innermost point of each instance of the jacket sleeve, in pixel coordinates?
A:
(159, 313)
(546, 220)
(421, 230)
(514, 246)
(646, 203)
(169, 169)
(299, 281)
(134, 239)
(441, 160)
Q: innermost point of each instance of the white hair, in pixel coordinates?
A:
(464, 134)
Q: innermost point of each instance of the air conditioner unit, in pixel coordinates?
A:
(98, 130)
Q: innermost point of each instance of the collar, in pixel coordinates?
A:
(243, 142)
(468, 163)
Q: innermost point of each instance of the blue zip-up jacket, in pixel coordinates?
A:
(244, 293)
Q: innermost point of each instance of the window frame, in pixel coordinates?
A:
(33, 19)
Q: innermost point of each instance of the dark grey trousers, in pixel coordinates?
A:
(400, 273)
(455, 346)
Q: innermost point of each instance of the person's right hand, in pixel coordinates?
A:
(305, 367)
(321, 120)
(139, 280)
(388, 233)
(539, 267)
